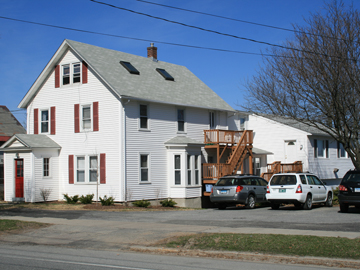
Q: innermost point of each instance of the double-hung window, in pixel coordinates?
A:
(189, 169)
(177, 167)
(197, 172)
(86, 169)
(212, 120)
(44, 119)
(341, 151)
(46, 167)
(143, 116)
(86, 117)
(321, 148)
(144, 168)
(181, 119)
(71, 73)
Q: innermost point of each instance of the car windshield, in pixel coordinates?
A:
(282, 180)
(229, 182)
(352, 177)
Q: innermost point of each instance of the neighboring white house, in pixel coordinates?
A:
(291, 141)
(128, 126)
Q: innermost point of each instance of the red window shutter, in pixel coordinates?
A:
(96, 116)
(84, 72)
(102, 168)
(57, 76)
(77, 118)
(52, 121)
(36, 121)
(71, 169)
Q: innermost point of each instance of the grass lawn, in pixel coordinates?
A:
(330, 247)
(13, 226)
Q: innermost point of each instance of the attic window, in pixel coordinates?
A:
(129, 67)
(165, 74)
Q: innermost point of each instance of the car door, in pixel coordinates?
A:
(261, 190)
(312, 187)
(321, 190)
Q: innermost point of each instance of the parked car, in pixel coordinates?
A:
(349, 190)
(300, 189)
(238, 189)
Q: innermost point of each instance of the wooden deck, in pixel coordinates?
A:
(278, 167)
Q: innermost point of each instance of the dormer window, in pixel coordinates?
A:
(129, 67)
(165, 74)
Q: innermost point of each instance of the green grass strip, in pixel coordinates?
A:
(12, 225)
(331, 247)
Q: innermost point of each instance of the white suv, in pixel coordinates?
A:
(300, 189)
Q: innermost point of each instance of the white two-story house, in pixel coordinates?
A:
(110, 123)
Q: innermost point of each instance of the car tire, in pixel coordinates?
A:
(275, 206)
(344, 208)
(308, 203)
(250, 202)
(329, 201)
(222, 206)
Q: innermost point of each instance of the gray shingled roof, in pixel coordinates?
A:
(9, 125)
(183, 140)
(259, 151)
(186, 90)
(34, 141)
(296, 124)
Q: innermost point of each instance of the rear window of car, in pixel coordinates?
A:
(233, 182)
(283, 180)
(351, 177)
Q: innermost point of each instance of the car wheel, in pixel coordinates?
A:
(308, 203)
(251, 202)
(344, 207)
(222, 206)
(275, 206)
(329, 201)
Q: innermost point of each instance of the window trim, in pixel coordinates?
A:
(177, 169)
(86, 170)
(147, 117)
(179, 121)
(325, 153)
(82, 129)
(48, 167)
(48, 121)
(212, 120)
(148, 181)
(340, 148)
(71, 73)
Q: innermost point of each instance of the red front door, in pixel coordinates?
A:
(19, 178)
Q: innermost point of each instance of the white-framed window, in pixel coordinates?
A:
(44, 121)
(144, 168)
(71, 73)
(321, 148)
(143, 116)
(189, 169)
(242, 123)
(181, 120)
(46, 167)
(177, 169)
(86, 121)
(197, 171)
(212, 120)
(341, 153)
(87, 169)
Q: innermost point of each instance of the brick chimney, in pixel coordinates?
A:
(152, 52)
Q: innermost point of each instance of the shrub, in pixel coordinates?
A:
(86, 199)
(168, 203)
(45, 193)
(106, 201)
(141, 203)
(71, 200)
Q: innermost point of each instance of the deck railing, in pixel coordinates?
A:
(216, 136)
(278, 167)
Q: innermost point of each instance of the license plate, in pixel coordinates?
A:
(282, 190)
(357, 190)
(223, 192)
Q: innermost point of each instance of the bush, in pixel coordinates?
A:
(107, 201)
(141, 203)
(45, 193)
(168, 203)
(71, 200)
(86, 199)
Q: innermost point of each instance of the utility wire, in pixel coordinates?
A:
(237, 20)
(210, 31)
(139, 39)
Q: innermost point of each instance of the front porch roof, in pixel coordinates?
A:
(183, 140)
(29, 141)
(258, 151)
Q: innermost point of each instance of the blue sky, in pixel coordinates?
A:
(25, 48)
